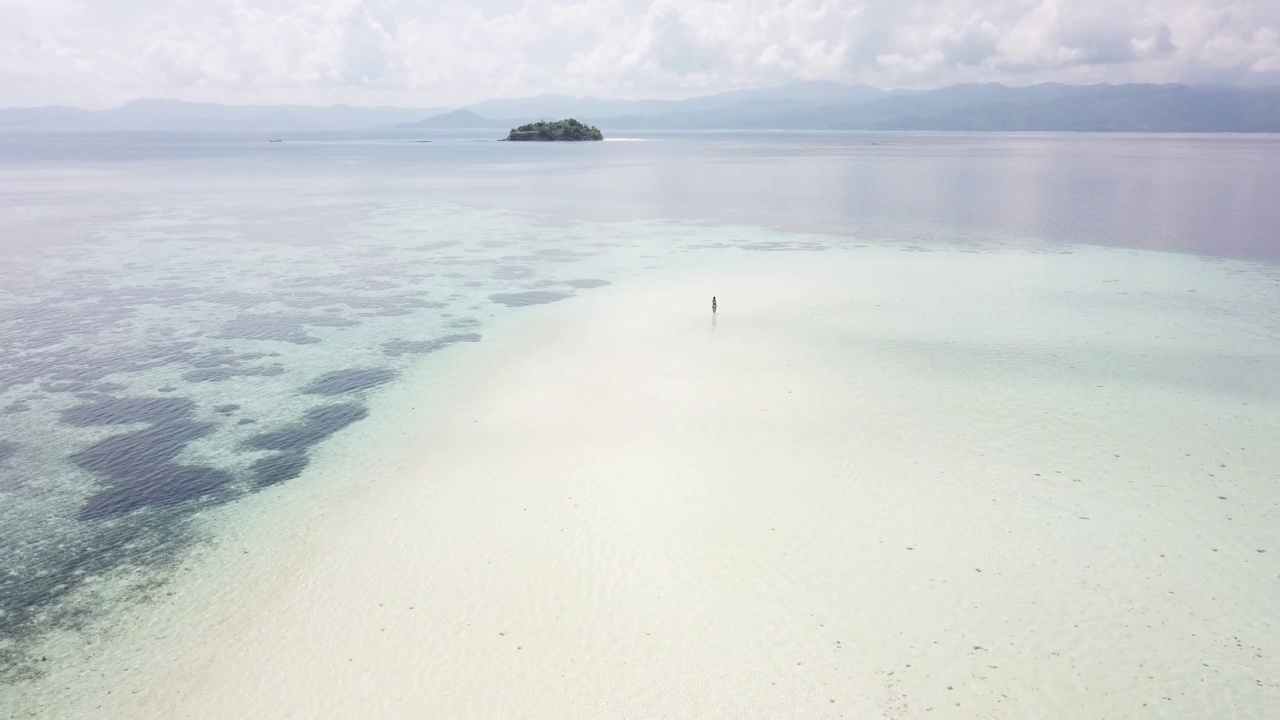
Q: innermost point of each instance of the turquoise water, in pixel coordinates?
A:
(184, 318)
(174, 366)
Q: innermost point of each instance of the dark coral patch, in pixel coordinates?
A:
(283, 327)
(587, 283)
(399, 347)
(513, 272)
(279, 467)
(532, 297)
(226, 372)
(128, 410)
(316, 426)
(292, 442)
(138, 470)
(349, 380)
(165, 488)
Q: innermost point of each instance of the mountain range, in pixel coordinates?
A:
(795, 106)
(179, 115)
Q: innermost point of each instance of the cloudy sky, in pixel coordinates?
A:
(95, 53)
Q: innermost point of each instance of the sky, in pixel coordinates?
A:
(98, 53)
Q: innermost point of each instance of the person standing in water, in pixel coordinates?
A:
(713, 304)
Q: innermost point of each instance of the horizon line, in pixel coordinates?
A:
(451, 107)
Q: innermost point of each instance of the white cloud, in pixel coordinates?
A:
(448, 52)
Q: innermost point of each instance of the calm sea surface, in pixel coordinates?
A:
(185, 316)
(1198, 194)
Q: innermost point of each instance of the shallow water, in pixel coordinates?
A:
(185, 318)
(894, 479)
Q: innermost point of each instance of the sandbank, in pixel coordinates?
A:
(876, 484)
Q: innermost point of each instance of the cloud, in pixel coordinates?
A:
(449, 51)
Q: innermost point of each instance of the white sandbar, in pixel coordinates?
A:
(877, 484)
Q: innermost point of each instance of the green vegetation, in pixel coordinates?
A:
(549, 131)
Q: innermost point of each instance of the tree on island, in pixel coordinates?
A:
(550, 131)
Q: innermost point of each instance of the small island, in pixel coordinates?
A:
(543, 131)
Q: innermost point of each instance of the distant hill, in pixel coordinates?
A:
(973, 107)
(1111, 108)
(49, 116)
(179, 115)
(779, 96)
(457, 120)
(796, 106)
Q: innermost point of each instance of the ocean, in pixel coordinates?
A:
(191, 322)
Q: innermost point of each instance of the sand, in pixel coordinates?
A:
(876, 484)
